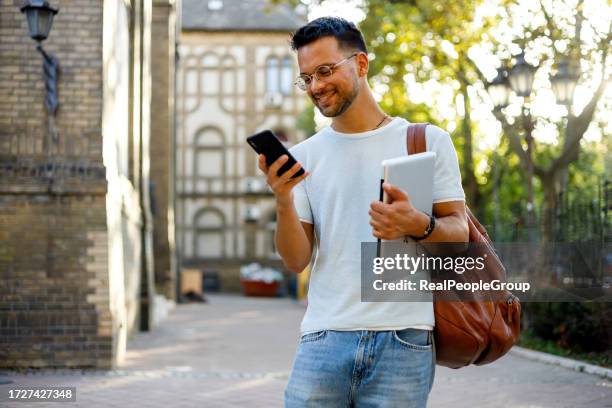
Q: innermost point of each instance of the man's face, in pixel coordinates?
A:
(332, 95)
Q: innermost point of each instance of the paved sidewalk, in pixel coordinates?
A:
(237, 352)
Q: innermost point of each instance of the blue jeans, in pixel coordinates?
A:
(362, 369)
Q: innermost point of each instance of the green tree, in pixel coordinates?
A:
(429, 41)
(306, 120)
(549, 40)
(432, 40)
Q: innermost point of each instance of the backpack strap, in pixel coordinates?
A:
(415, 138)
(416, 143)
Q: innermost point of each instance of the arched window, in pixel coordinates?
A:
(208, 153)
(209, 227)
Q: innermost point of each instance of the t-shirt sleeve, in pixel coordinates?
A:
(447, 176)
(302, 205)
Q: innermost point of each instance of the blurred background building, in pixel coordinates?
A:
(235, 78)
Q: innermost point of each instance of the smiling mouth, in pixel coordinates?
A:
(325, 98)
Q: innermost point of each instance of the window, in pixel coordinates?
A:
(279, 75)
(286, 79)
(272, 75)
(209, 225)
(209, 153)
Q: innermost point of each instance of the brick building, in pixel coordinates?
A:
(235, 78)
(79, 263)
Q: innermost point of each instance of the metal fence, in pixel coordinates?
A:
(581, 251)
(579, 216)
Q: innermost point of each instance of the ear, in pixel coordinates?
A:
(363, 64)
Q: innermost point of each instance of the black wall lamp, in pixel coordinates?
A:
(39, 15)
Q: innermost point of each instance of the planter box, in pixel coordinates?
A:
(259, 288)
(191, 281)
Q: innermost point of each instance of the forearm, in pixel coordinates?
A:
(449, 229)
(292, 242)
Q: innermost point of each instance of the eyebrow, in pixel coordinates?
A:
(318, 66)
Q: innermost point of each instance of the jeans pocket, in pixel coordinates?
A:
(415, 339)
(314, 336)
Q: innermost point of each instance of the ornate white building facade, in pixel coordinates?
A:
(235, 78)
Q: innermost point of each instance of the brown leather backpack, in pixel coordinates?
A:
(472, 332)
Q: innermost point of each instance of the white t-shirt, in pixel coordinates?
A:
(345, 178)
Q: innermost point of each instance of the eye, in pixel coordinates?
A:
(324, 71)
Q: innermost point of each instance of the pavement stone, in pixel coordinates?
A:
(237, 352)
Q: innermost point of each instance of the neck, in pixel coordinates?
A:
(364, 114)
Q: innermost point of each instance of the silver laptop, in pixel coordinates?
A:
(414, 174)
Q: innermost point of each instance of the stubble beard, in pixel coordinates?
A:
(345, 101)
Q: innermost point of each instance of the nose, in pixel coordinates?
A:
(315, 85)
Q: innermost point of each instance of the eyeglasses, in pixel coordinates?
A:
(322, 72)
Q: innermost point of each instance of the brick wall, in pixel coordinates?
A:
(54, 263)
(73, 210)
(54, 307)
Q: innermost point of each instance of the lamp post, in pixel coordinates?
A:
(39, 15)
(520, 80)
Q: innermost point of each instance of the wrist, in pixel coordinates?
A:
(284, 202)
(424, 227)
(419, 224)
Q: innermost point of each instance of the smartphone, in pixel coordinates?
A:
(267, 143)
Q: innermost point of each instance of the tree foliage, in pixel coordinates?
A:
(428, 63)
(428, 43)
(431, 44)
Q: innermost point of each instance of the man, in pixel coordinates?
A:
(353, 353)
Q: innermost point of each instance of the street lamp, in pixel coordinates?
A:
(564, 82)
(40, 18)
(521, 76)
(499, 89)
(39, 15)
(520, 80)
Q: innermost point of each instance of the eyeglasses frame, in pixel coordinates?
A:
(315, 75)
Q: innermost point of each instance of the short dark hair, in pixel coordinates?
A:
(347, 34)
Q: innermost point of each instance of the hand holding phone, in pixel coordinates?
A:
(282, 171)
(267, 143)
